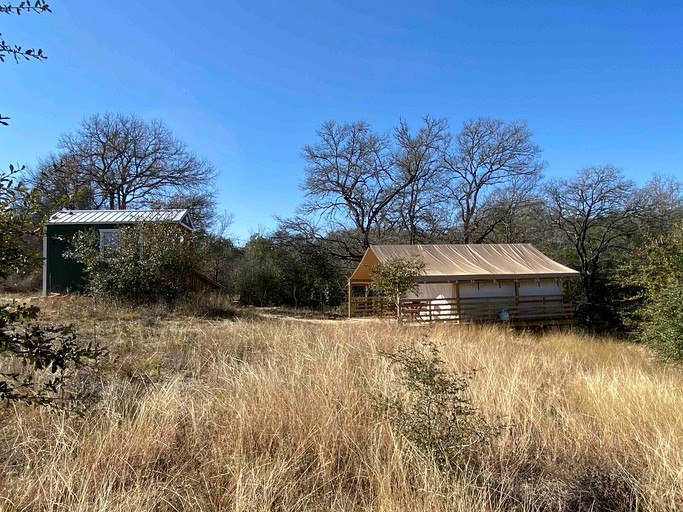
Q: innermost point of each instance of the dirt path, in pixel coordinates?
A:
(265, 314)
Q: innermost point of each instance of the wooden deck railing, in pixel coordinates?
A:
(371, 306)
(520, 310)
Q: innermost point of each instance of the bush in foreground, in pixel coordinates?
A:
(433, 408)
(37, 360)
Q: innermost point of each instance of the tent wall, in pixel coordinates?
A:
(491, 289)
(541, 287)
(433, 290)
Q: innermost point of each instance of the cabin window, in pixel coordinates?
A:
(109, 238)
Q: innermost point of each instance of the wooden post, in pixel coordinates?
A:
(517, 311)
(350, 309)
(545, 306)
(457, 300)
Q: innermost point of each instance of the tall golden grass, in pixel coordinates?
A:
(272, 414)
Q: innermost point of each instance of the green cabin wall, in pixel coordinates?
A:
(61, 274)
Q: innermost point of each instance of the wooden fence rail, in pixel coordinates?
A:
(371, 306)
(515, 310)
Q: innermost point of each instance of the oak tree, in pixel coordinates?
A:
(595, 212)
(127, 162)
(485, 156)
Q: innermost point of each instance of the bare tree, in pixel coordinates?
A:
(219, 254)
(419, 160)
(486, 155)
(340, 242)
(59, 184)
(595, 213)
(662, 200)
(358, 180)
(349, 175)
(202, 207)
(512, 214)
(128, 162)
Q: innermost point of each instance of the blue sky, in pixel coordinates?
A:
(246, 84)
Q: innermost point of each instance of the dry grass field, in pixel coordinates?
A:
(262, 414)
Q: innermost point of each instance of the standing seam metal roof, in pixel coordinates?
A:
(120, 216)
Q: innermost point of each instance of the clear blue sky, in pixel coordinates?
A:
(246, 83)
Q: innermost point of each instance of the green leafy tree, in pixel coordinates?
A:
(657, 278)
(36, 360)
(313, 276)
(17, 221)
(147, 263)
(261, 273)
(396, 277)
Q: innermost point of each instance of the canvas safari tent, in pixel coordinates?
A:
(468, 283)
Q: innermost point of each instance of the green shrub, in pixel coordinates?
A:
(151, 262)
(433, 409)
(656, 275)
(663, 324)
(37, 360)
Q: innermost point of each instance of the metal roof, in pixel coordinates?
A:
(120, 217)
(467, 261)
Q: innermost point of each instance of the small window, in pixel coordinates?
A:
(109, 238)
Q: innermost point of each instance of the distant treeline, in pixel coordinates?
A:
(481, 183)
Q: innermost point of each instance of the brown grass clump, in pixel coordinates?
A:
(271, 414)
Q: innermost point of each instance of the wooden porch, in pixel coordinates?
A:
(363, 307)
(512, 310)
(515, 311)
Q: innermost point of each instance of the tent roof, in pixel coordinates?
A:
(467, 261)
(120, 217)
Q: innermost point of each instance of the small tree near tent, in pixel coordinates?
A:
(396, 277)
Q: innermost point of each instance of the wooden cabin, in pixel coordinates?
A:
(511, 283)
(64, 275)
